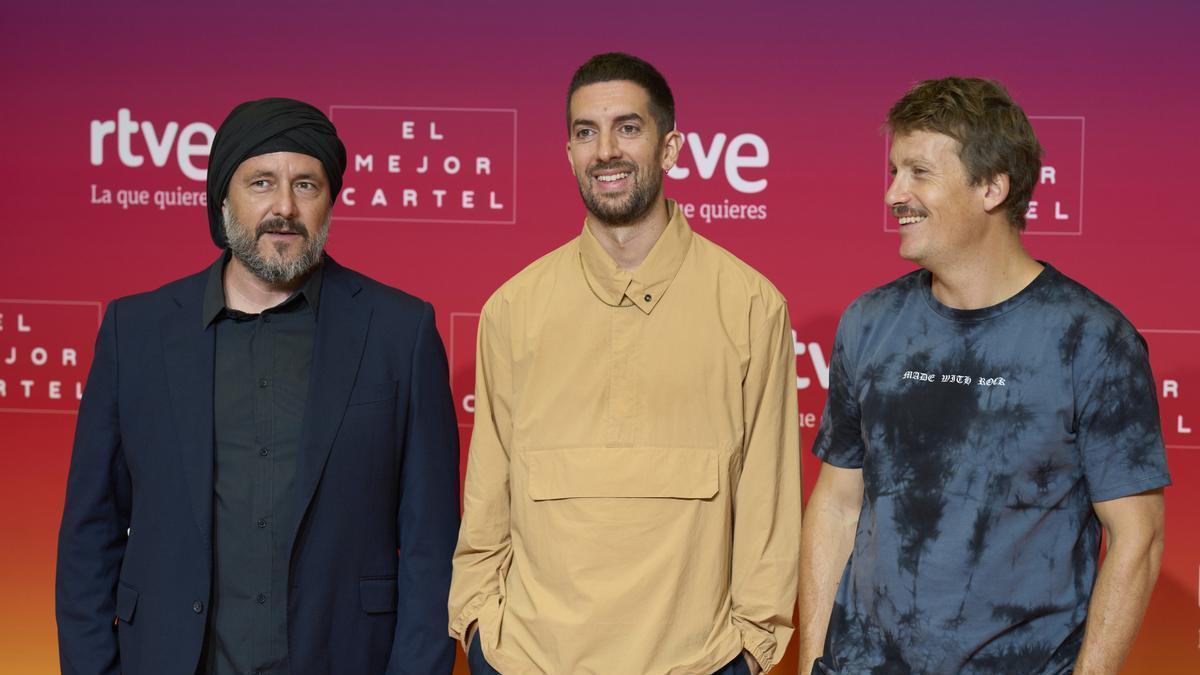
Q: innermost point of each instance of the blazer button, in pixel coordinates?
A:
(197, 606)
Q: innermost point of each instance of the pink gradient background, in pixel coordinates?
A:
(813, 82)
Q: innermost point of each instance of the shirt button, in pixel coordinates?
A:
(197, 606)
(266, 318)
(647, 297)
(261, 598)
(262, 523)
(262, 382)
(263, 452)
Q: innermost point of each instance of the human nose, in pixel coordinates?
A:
(897, 192)
(285, 205)
(609, 147)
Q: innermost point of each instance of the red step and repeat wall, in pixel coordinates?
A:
(453, 114)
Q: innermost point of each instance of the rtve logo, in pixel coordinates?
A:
(132, 138)
(743, 151)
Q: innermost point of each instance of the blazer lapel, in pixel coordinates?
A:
(188, 352)
(342, 322)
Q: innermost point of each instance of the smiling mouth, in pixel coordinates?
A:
(911, 220)
(612, 177)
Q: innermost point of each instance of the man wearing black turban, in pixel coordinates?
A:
(265, 471)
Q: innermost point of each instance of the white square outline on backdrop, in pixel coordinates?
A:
(71, 303)
(453, 316)
(1082, 139)
(1172, 331)
(380, 219)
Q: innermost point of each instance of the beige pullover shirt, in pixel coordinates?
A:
(632, 503)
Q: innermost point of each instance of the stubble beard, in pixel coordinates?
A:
(636, 204)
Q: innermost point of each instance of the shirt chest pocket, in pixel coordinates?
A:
(655, 472)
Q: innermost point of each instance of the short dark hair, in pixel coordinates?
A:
(994, 135)
(615, 66)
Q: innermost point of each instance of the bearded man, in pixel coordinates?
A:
(256, 442)
(632, 502)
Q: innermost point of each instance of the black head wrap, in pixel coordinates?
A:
(264, 126)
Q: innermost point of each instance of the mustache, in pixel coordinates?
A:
(614, 166)
(905, 212)
(281, 225)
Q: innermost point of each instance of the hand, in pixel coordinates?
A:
(752, 663)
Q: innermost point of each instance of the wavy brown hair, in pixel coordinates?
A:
(994, 135)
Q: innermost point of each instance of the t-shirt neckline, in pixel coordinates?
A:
(992, 311)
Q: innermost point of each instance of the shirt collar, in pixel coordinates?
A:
(214, 290)
(647, 284)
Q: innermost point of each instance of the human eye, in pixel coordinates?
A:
(584, 133)
(630, 129)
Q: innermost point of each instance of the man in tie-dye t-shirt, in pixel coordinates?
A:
(987, 418)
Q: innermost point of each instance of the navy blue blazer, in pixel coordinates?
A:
(377, 474)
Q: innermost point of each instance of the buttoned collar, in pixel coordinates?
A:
(646, 285)
(214, 292)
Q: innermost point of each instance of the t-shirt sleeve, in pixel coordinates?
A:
(839, 438)
(1117, 424)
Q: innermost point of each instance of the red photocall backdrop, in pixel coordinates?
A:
(454, 119)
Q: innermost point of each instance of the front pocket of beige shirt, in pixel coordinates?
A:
(617, 540)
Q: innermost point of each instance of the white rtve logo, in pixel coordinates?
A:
(193, 141)
(819, 364)
(706, 159)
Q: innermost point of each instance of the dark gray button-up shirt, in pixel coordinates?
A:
(262, 368)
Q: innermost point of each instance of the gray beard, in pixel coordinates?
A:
(243, 244)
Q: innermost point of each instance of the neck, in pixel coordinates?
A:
(246, 292)
(629, 244)
(987, 276)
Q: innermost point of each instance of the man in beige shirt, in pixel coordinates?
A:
(632, 503)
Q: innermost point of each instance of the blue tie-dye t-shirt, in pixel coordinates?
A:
(983, 436)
